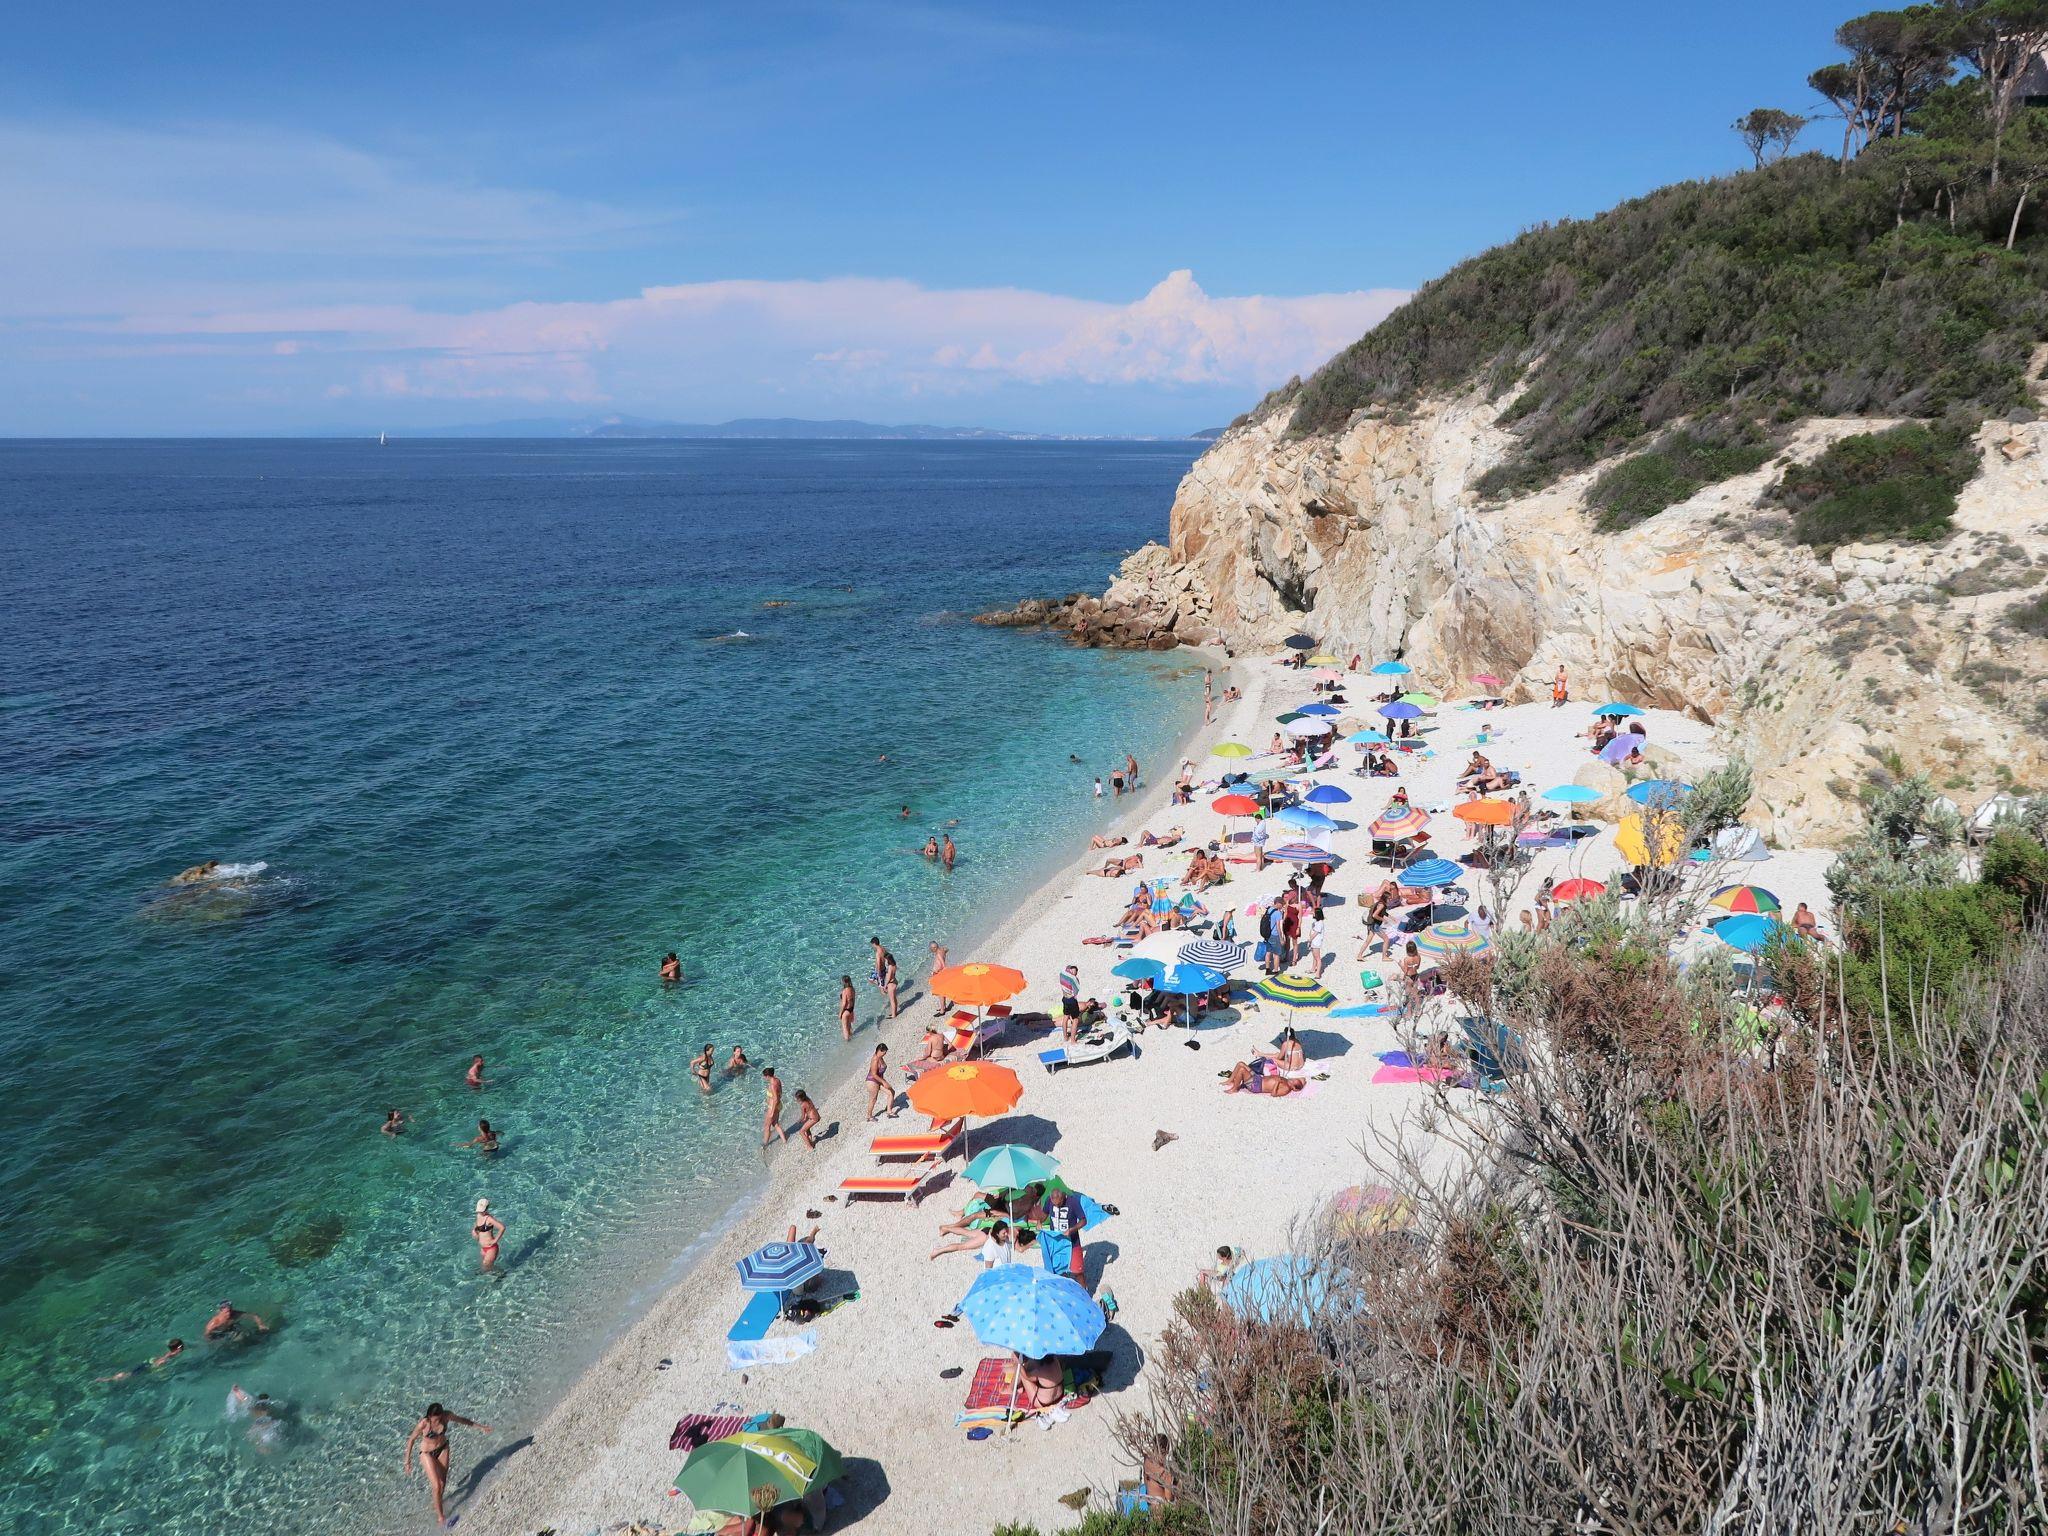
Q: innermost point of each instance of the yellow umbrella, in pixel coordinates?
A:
(1324, 660)
(1655, 838)
(1230, 749)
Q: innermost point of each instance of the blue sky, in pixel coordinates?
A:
(1058, 217)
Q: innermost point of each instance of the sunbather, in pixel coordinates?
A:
(1102, 840)
(1261, 1075)
(1116, 869)
(1164, 839)
(992, 1247)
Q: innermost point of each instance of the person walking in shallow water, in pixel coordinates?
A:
(771, 1119)
(489, 1232)
(431, 1436)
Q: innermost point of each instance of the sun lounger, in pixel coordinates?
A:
(1099, 1044)
(925, 1146)
(889, 1186)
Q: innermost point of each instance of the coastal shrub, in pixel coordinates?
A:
(1796, 1284)
(1896, 484)
(2030, 618)
(1675, 468)
(1909, 841)
(1911, 950)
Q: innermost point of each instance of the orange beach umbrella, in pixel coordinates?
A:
(1234, 805)
(1485, 813)
(978, 983)
(966, 1088)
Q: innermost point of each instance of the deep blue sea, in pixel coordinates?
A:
(482, 730)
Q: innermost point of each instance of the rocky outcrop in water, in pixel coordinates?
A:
(1153, 605)
(1374, 541)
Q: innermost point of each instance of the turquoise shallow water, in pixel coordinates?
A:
(467, 707)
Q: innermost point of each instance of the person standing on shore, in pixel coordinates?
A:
(489, 1233)
(431, 1435)
(1560, 692)
(1130, 773)
(891, 980)
(771, 1119)
(938, 964)
(1070, 1003)
(878, 1080)
(845, 1009)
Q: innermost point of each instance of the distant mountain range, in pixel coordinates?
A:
(786, 427)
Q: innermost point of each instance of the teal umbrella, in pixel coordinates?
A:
(1011, 1167)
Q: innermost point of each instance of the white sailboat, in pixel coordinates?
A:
(380, 439)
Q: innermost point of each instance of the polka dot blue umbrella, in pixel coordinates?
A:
(779, 1266)
(1031, 1311)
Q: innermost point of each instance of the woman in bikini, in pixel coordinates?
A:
(431, 1435)
(846, 1006)
(489, 1233)
(485, 1140)
(878, 1079)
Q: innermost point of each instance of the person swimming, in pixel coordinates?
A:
(227, 1321)
(485, 1140)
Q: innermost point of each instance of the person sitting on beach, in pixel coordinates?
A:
(1164, 839)
(1261, 1076)
(1478, 767)
(932, 1048)
(1228, 1261)
(1103, 840)
(991, 1248)
(1288, 1055)
(1042, 1383)
(1804, 923)
(1232, 694)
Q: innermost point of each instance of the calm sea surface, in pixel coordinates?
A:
(485, 729)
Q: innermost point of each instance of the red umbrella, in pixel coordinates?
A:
(1577, 890)
(1234, 805)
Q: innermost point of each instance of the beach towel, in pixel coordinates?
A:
(695, 1429)
(1400, 1067)
(757, 1317)
(742, 1355)
(992, 1385)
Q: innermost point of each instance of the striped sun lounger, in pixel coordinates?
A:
(926, 1146)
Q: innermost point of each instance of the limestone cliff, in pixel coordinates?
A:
(1374, 541)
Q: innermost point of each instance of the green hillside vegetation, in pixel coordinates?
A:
(1906, 278)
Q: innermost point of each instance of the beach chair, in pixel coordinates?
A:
(1099, 1044)
(886, 1186)
(923, 1146)
(1496, 1051)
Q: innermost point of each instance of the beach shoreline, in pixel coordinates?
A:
(699, 1272)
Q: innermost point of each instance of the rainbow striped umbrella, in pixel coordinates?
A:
(1395, 825)
(1294, 990)
(1457, 937)
(1745, 898)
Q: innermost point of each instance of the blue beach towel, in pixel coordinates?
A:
(760, 1314)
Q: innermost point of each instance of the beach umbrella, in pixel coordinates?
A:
(1010, 1166)
(1432, 874)
(1391, 669)
(1029, 1310)
(1190, 980)
(1311, 725)
(1290, 1287)
(1325, 659)
(1750, 931)
(1327, 794)
(1619, 748)
(1617, 711)
(1420, 700)
(1234, 805)
(752, 1472)
(1324, 710)
(1230, 749)
(978, 983)
(1369, 738)
(1457, 937)
(962, 1088)
(779, 1266)
(1136, 969)
(1328, 674)
(1216, 954)
(1485, 813)
(1304, 816)
(1486, 679)
(1659, 791)
(1744, 844)
(1299, 643)
(1399, 710)
(1577, 890)
(1395, 824)
(1367, 1209)
(1650, 838)
(1745, 898)
(1298, 992)
(1303, 853)
(1572, 794)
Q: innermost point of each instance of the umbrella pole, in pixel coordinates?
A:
(1016, 1386)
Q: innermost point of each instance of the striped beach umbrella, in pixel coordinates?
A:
(779, 1266)
(1214, 954)
(1457, 937)
(1397, 824)
(1745, 898)
(1432, 872)
(1295, 991)
(1303, 853)
(1577, 890)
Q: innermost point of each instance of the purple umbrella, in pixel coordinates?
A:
(1620, 747)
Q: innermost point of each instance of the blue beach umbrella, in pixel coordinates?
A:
(1572, 794)
(1135, 969)
(1368, 738)
(1663, 791)
(1327, 794)
(1399, 710)
(779, 1266)
(1188, 979)
(1432, 874)
(1391, 669)
(1621, 747)
(1306, 817)
(1324, 710)
(1010, 1167)
(1031, 1311)
(1617, 711)
(1749, 931)
(1288, 1288)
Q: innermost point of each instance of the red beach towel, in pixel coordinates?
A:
(695, 1429)
(993, 1384)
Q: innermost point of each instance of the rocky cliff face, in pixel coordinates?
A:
(1374, 542)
